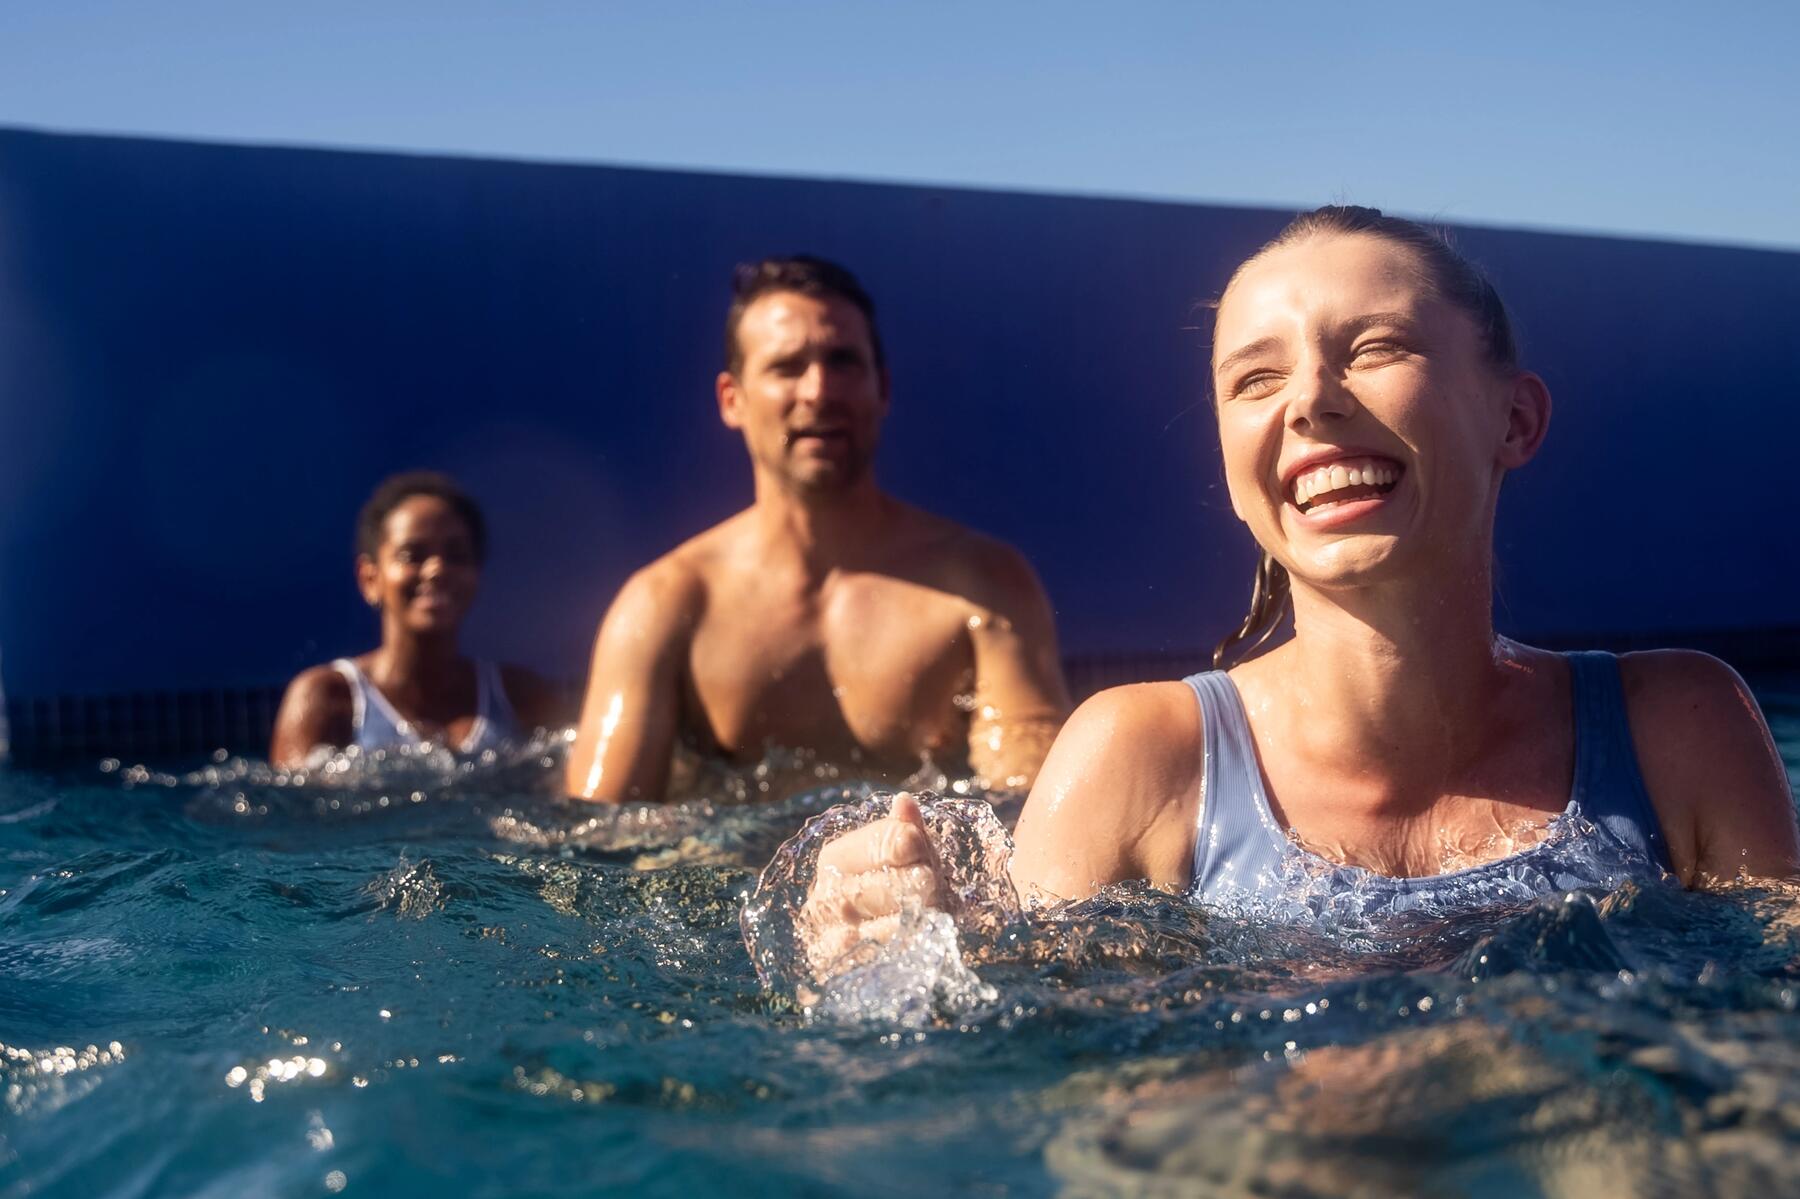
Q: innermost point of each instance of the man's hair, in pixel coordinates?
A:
(371, 522)
(802, 273)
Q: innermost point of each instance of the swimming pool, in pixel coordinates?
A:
(406, 986)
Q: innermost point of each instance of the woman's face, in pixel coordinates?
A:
(424, 573)
(1364, 431)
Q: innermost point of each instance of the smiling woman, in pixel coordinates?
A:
(419, 548)
(1394, 753)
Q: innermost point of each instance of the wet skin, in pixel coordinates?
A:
(828, 616)
(422, 579)
(1395, 731)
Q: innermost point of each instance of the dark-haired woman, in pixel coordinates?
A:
(420, 544)
(1393, 753)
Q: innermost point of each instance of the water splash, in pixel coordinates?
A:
(1571, 854)
(42, 1080)
(411, 890)
(912, 980)
(357, 769)
(784, 771)
(920, 971)
(692, 827)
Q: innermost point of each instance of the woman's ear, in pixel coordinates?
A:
(1527, 420)
(368, 580)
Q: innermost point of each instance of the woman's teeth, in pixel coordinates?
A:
(1345, 479)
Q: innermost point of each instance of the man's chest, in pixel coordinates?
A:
(874, 665)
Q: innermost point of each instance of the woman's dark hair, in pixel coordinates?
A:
(802, 273)
(371, 522)
(1455, 279)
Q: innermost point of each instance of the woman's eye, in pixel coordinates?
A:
(1379, 349)
(1259, 384)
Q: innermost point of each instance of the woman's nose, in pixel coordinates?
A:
(1319, 398)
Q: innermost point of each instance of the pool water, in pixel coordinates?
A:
(411, 984)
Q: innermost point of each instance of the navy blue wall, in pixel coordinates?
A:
(209, 354)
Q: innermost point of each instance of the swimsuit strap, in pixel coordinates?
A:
(359, 703)
(1234, 842)
(491, 702)
(374, 722)
(1609, 788)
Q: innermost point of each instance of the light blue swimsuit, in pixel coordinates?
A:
(378, 726)
(1244, 859)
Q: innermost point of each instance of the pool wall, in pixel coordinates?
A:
(208, 354)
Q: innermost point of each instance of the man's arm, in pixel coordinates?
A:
(1711, 767)
(315, 710)
(630, 717)
(1021, 699)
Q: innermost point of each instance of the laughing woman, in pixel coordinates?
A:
(1393, 751)
(420, 543)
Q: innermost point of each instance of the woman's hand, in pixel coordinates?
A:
(865, 879)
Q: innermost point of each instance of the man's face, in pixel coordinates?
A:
(808, 396)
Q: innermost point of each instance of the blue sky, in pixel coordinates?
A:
(1677, 120)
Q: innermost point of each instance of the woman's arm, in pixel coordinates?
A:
(1711, 767)
(1117, 800)
(316, 710)
(1118, 797)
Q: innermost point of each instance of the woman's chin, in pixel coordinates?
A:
(1363, 561)
(434, 624)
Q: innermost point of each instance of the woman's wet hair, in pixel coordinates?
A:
(801, 273)
(371, 522)
(1453, 278)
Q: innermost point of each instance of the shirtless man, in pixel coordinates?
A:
(827, 616)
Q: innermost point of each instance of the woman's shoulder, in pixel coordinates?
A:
(1118, 794)
(1138, 719)
(317, 708)
(1709, 763)
(325, 683)
(1679, 701)
(1663, 675)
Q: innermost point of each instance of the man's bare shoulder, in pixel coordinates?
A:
(667, 593)
(698, 563)
(702, 559)
(969, 562)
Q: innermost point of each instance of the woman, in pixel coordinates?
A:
(1393, 750)
(420, 542)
